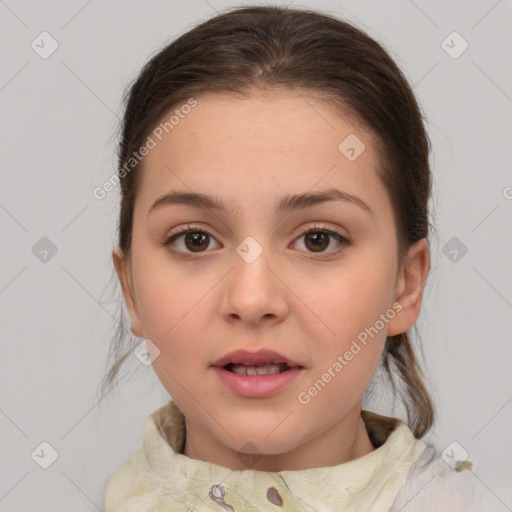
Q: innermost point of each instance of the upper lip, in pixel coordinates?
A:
(263, 356)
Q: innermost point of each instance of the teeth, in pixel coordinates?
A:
(260, 369)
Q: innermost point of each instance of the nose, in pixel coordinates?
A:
(255, 291)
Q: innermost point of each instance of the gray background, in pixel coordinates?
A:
(58, 140)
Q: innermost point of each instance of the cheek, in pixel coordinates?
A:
(349, 323)
(171, 313)
(350, 300)
(169, 300)
(345, 359)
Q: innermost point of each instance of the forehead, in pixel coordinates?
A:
(271, 142)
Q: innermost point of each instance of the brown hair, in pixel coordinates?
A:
(271, 47)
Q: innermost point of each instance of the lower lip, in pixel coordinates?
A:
(257, 385)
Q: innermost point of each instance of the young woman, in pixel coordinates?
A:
(273, 252)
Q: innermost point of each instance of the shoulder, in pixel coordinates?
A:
(432, 485)
(132, 479)
(141, 483)
(137, 487)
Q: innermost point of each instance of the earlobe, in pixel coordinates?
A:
(410, 285)
(123, 273)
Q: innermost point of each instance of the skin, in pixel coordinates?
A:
(199, 306)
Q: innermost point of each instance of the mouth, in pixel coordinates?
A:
(257, 369)
(262, 362)
(256, 374)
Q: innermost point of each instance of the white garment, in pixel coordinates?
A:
(402, 475)
(432, 485)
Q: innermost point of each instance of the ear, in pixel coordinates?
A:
(122, 266)
(410, 285)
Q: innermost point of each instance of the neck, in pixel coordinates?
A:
(344, 441)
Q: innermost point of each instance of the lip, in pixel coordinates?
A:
(254, 386)
(263, 356)
(257, 386)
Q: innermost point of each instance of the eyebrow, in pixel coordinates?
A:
(287, 203)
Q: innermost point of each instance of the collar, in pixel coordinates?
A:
(159, 475)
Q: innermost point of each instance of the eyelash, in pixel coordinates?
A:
(315, 229)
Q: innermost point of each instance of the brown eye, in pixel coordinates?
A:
(197, 241)
(190, 241)
(317, 241)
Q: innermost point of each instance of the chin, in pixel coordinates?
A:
(256, 441)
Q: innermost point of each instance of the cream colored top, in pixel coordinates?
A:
(159, 477)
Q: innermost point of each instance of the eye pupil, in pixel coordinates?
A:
(198, 240)
(317, 237)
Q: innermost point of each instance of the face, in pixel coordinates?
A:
(307, 282)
